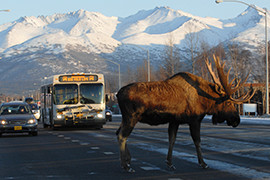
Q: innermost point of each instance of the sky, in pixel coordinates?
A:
(122, 8)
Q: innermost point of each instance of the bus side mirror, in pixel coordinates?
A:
(107, 98)
(49, 90)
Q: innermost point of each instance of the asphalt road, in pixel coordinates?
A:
(231, 153)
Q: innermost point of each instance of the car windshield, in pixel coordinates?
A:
(14, 109)
(33, 106)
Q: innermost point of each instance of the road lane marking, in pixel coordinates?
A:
(148, 168)
(108, 153)
(84, 144)
(75, 141)
(94, 148)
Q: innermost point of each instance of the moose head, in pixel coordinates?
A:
(225, 106)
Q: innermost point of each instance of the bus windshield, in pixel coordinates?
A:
(65, 94)
(91, 93)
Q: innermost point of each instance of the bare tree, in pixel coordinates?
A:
(239, 61)
(171, 63)
(192, 45)
(204, 54)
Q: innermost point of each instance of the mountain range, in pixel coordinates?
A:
(36, 47)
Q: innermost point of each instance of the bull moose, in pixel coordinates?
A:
(181, 99)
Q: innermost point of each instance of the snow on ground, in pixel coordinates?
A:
(255, 120)
(214, 164)
(244, 119)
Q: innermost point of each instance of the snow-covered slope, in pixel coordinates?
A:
(76, 28)
(74, 41)
(102, 34)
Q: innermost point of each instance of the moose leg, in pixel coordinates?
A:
(125, 157)
(172, 131)
(195, 134)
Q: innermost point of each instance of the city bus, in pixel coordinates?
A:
(73, 100)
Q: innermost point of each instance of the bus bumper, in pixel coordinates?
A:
(80, 122)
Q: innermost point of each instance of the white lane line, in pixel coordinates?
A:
(60, 136)
(90, 152)
(84, 144)
(75, 141)
(149, 168)
(108, 153)
(94, 148)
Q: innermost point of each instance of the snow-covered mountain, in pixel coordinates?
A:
(34, 47)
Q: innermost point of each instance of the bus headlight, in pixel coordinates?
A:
(59, 116)
(99, 115)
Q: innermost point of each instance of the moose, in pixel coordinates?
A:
(181, 99)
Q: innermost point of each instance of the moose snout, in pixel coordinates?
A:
(234, 122)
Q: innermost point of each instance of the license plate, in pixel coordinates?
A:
(17, 128)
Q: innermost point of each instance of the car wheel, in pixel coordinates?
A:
(98, 127)
(45, 125)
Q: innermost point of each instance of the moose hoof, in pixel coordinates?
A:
(204, 166)
(128, 169)
(170, 166)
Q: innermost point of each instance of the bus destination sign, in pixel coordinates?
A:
(78, 78)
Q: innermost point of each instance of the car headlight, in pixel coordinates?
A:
(31, 121)
(4, 122)
(108, 113)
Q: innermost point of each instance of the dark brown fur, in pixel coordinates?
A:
(181, 99)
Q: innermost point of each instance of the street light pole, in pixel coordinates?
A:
(148, 62)
(148, 66)
(119, 72)
(266, 47)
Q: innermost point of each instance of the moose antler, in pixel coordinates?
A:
(209, 67)
(223, 80)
